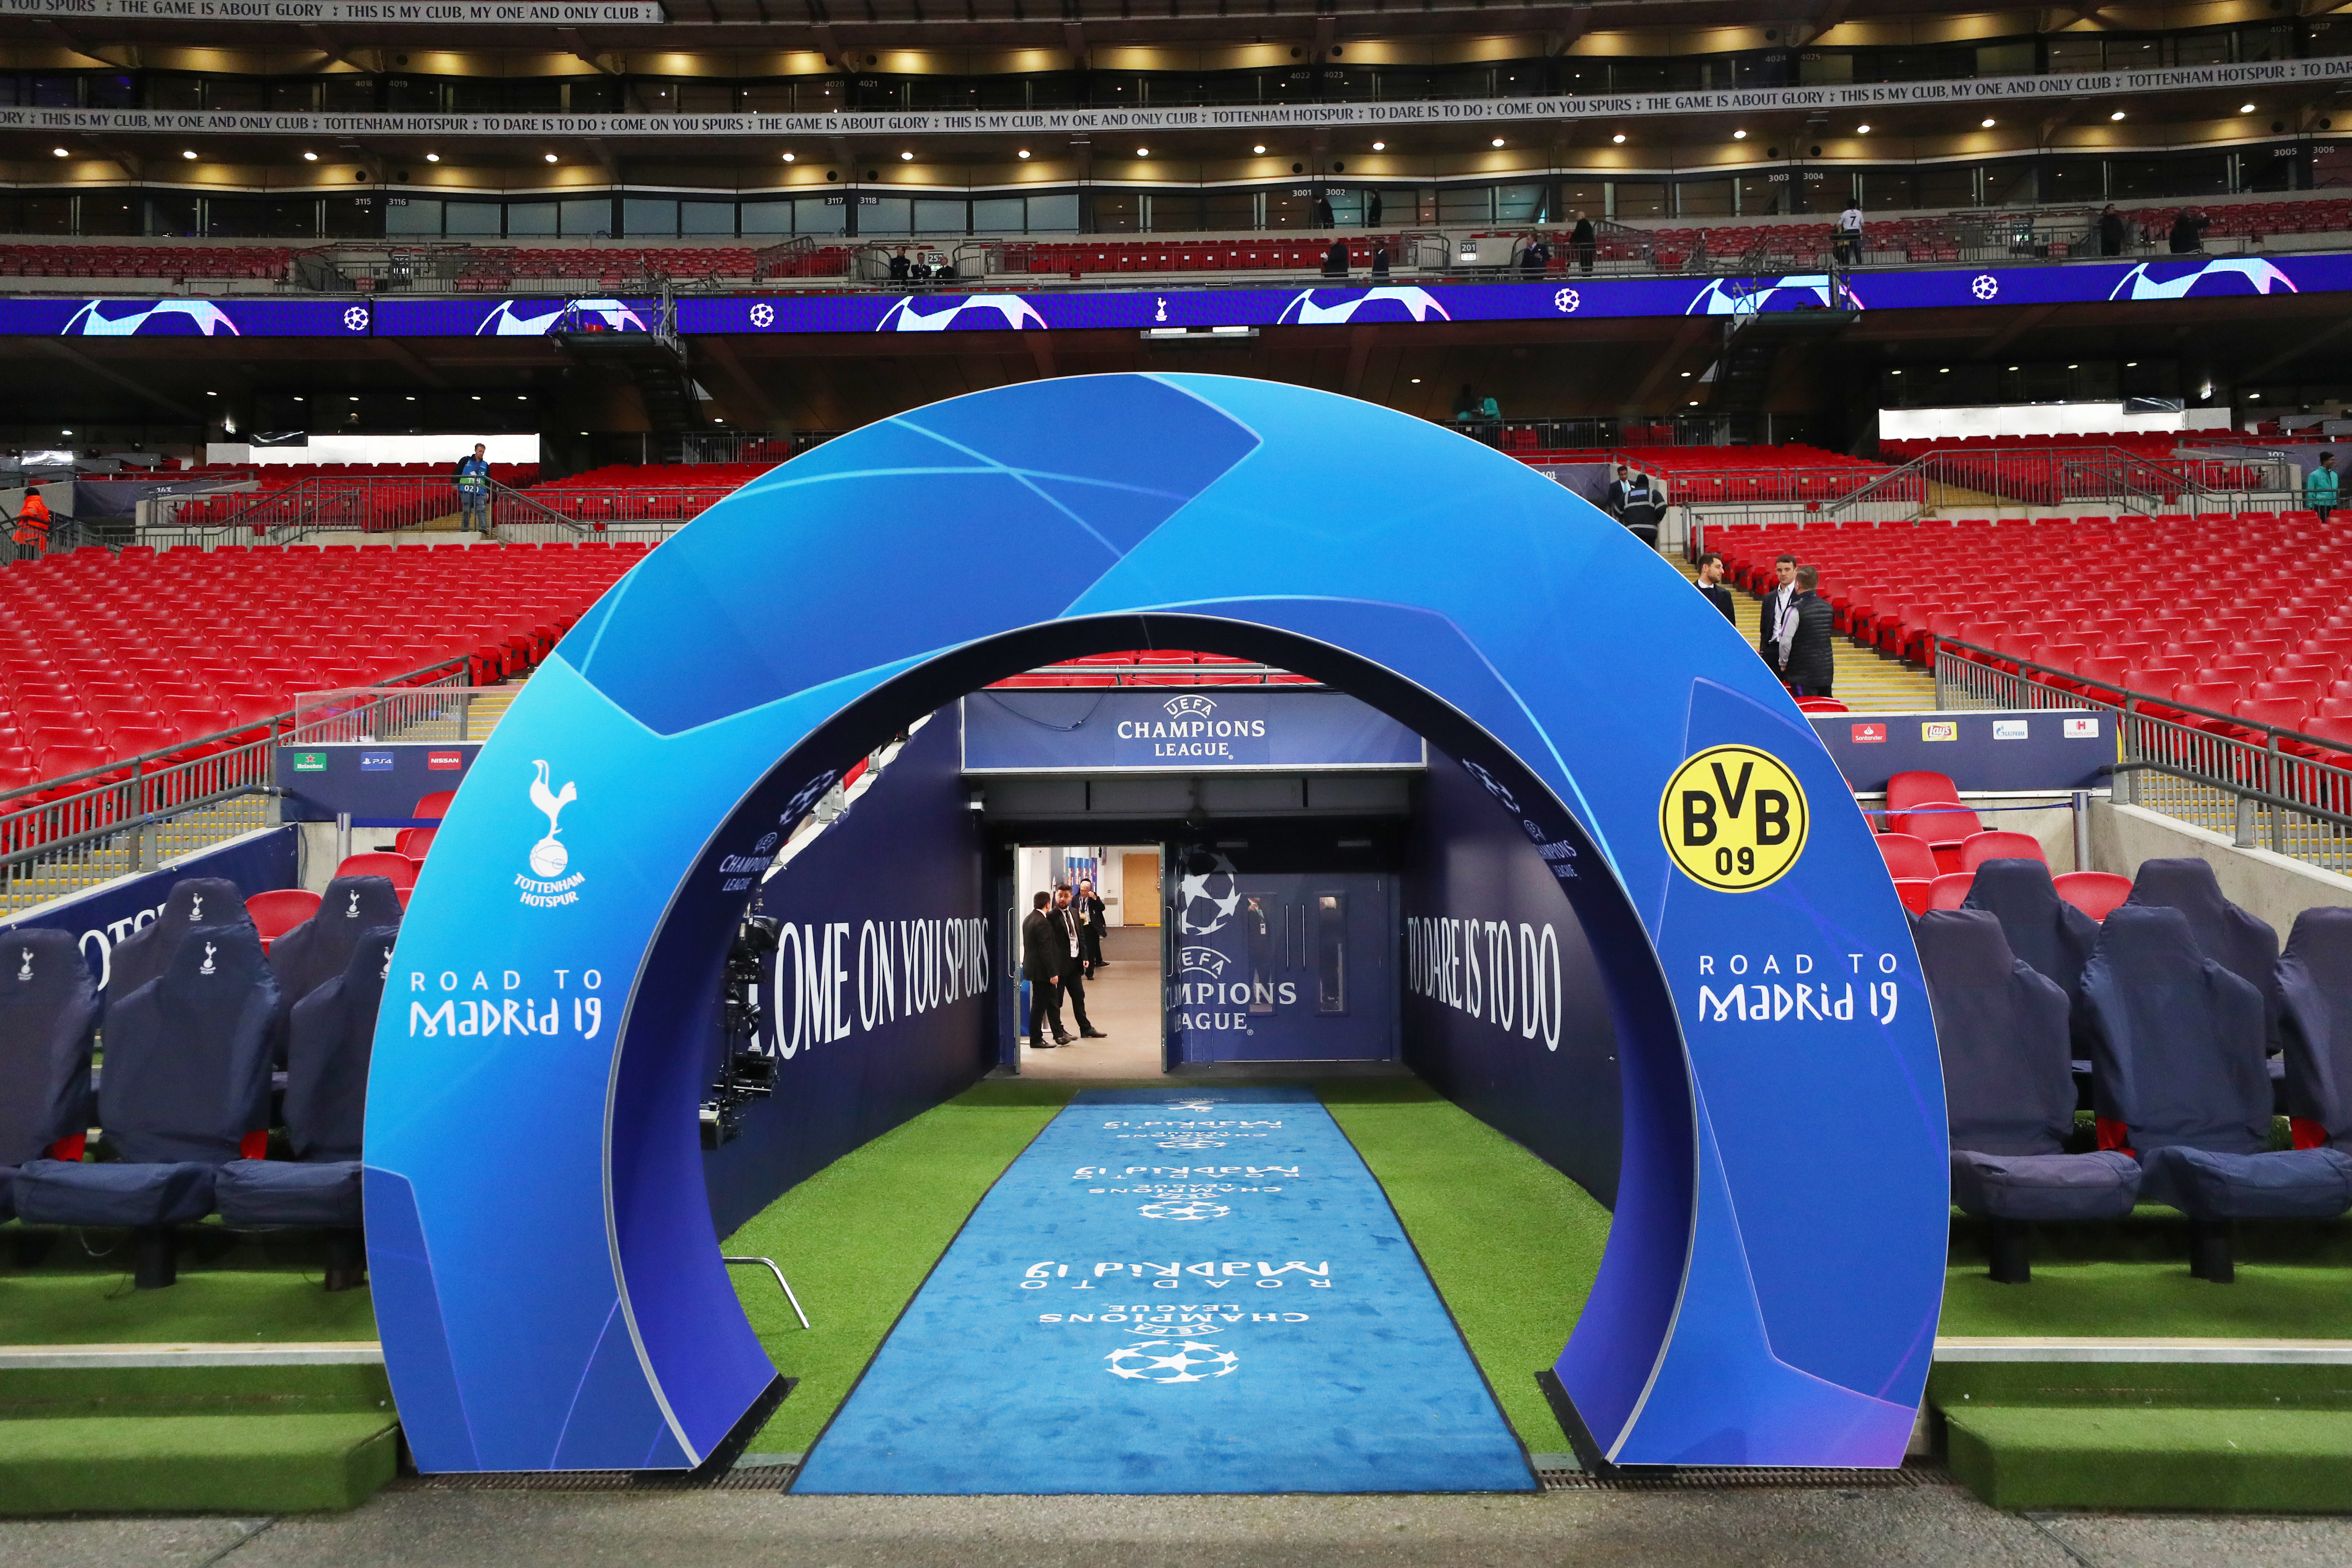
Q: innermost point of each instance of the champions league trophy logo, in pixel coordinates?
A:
(548, 856)
(1209, 893)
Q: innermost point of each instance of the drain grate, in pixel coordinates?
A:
(1700, 1479)
(742, 1479)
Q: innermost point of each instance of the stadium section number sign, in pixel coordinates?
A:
(1734, 818)
(1772, 1279)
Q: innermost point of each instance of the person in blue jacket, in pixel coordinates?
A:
(2319, 486)
(473, 480)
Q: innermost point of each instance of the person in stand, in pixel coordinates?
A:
(1710, 582)
(31, 534)
(2188, 231)
(1379, 264)
(2111, 232)
(1806, 664)
(1092, 924)
(1069, 950)
(473, 481)
(1465, 405)
(1584, 241)
(1043, 970)
(2319, 486)
(1776, 610)
(1849, 236)
(1372, 209)
(1335, 260)
(900, 267)
(1536, 258)
(1323, 218)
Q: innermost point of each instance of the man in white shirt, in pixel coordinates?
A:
(1849, 236)
(1778, 627)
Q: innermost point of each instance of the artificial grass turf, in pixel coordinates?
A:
(2217, 1460)
(270, 1462)
(1512, 1244)
(243, 1291)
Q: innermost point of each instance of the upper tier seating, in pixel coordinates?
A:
(164, 263)
(1090, 253)
(1716, 474)
(106, 658)
(1159, 666)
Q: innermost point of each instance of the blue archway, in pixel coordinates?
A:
(547, 1280)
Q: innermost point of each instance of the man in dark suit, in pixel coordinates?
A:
(1583, 240)
(1043, 970)
(1069, 948)
(1775, 619)
(1619, 490)
(1092, 924)
(1809, 665)
(1710, 582)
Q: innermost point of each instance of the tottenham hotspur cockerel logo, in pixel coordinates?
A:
(24, 970)
(547, 886)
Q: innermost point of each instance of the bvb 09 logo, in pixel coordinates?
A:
(1734, 818)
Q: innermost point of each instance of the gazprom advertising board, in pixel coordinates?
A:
(1142, 728)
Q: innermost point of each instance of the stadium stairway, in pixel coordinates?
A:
(1867, 681)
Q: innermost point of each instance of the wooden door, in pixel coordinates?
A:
(1139, 895)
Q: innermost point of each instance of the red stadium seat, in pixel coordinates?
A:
(278, 912)
(379, 863)
(1999, 845)
(2093, 892)
(1908, 857)
(1916, 893)
(1950, 890)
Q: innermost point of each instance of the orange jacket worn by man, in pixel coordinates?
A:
(32, 521)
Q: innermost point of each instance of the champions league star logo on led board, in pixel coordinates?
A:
(96, 319)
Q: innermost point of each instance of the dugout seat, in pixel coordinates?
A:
(147, 951)
(2316, 989)
(185, 1091)
(2177, 1077)
(2244, 944)
(330, 1038)
(319, 949)
(2047, 934)
(2009, 1090)
(48, 1023)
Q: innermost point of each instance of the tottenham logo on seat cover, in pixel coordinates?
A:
(208, 969)
(195, 908)
(353, 912)
(548, 886)
(24, 970)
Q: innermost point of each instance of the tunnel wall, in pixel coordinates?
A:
(1505, 1010)
(859, 1054)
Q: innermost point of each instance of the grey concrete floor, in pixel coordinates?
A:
(1928, 1526)
(1124, 1001)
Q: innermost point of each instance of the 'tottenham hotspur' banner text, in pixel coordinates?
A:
(1369, 116)
(436, 12)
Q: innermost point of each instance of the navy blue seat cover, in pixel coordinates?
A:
(2242, 943)
(2008, 1087)
(2178, 1059)
(48, 1020)
(2048, 934)
(332, 1035)
(319, 949)
(2316, 989)
(147, 951)
(187, 1077)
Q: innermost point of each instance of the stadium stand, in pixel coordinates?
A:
(1158, 667)
(1791, 471)
(105, 659)
(161, 263)
(2241, 614)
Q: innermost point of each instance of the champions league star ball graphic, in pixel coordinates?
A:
(1208, 895)
(1750, 296)
(1192, 1210)
(1194, 1140)
(1190, 1362)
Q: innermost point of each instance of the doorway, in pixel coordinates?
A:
(1122, 996)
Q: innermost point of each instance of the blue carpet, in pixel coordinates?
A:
(1167, 1294)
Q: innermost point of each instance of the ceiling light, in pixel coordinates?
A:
(431, 157)
(1987, 123)
(1143, 152)
(1416, 381)
(1739, 136)
(2012, 367)
(1620, 137)
(188, 155)
(309, 157)
(2073, 367)
(1862, 130)
(1686, 375)
(60, 151)
(1693, 403)
(412, 397)
(551, 157)
(211, 395)
(905, 157)
(2131, 364)
(788, 158)
(1499, 142)
(1024, 153)
(2245, 109)
(1944, 369)
(1379, 146)
(1260, 148)
(2251, 397)
(478, 398)
(298, 397)
(2118, 114)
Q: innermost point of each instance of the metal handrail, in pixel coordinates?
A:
(2308, 801)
